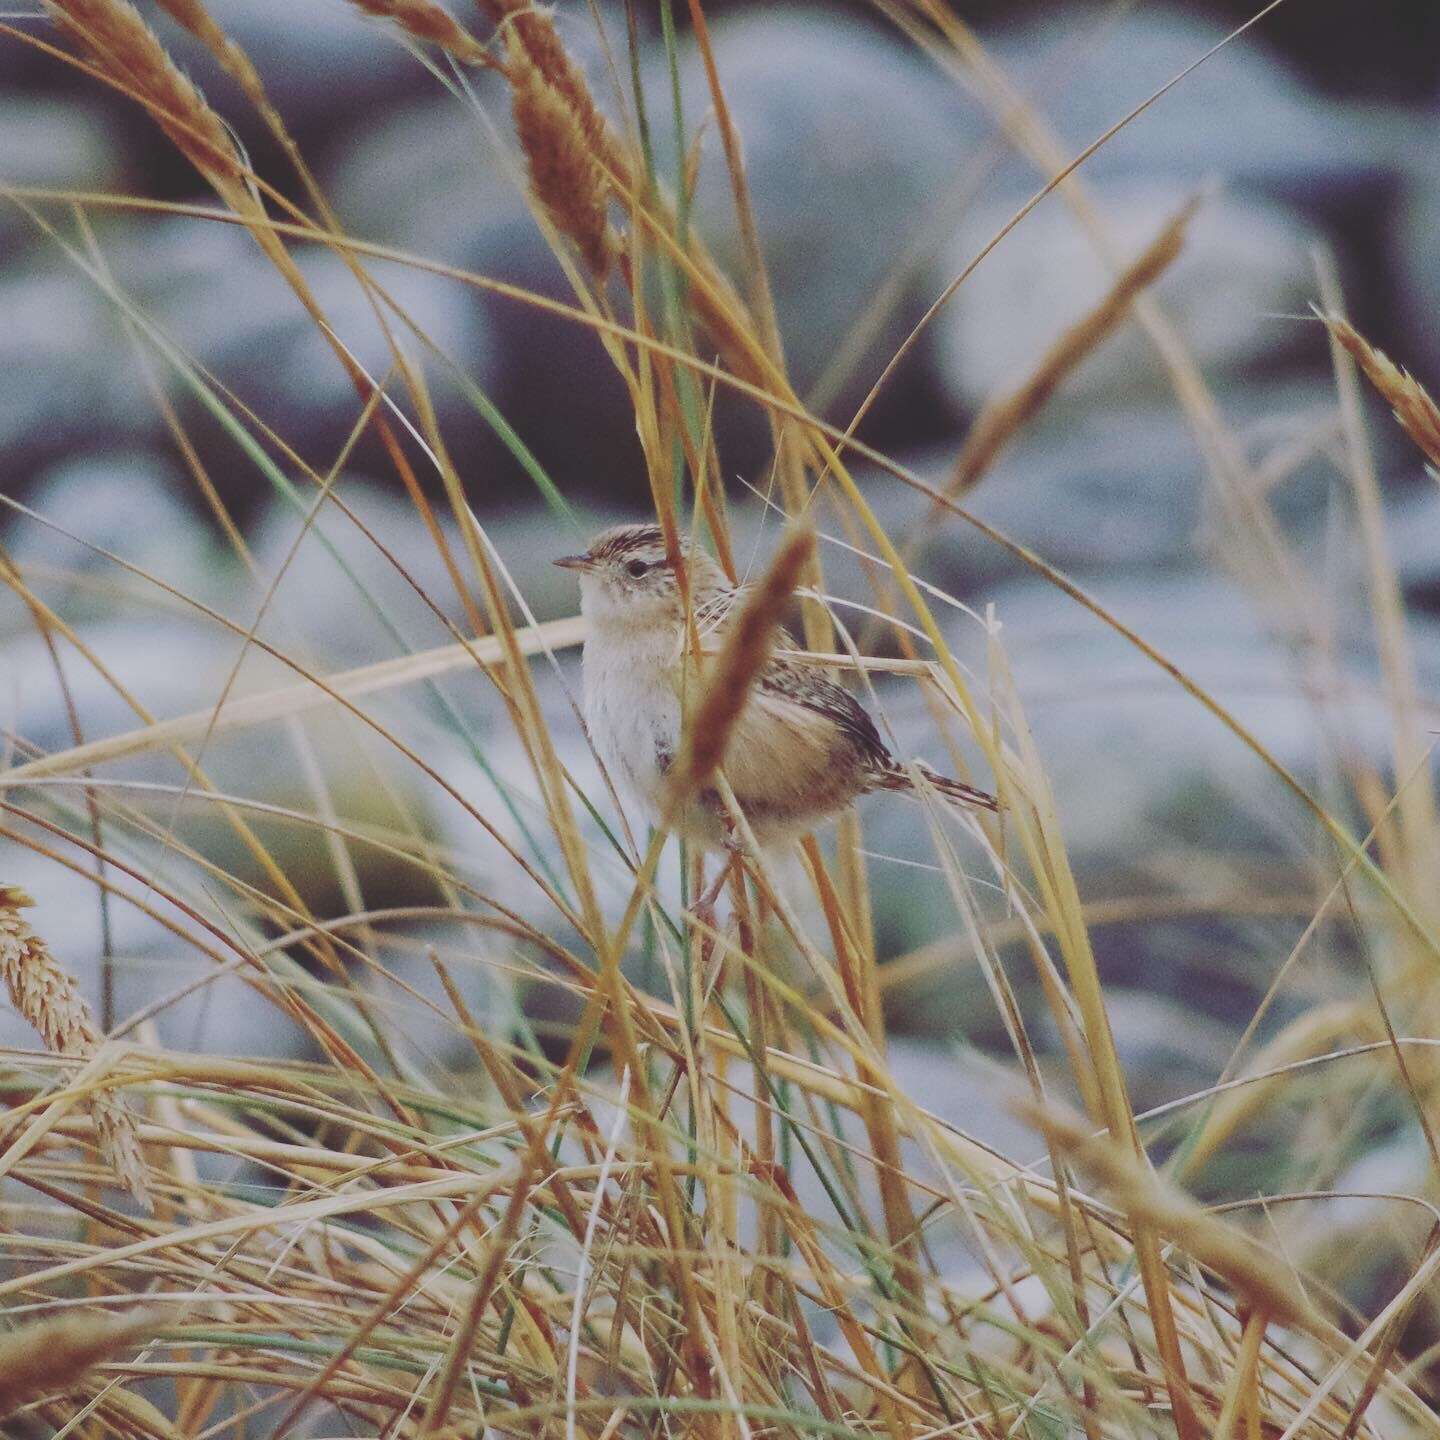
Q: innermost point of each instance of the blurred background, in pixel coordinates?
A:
(877, 175)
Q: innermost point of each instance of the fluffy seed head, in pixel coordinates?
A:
(564, 175)
(124, 47)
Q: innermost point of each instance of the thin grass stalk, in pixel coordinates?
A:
(1417, 813)
(1000, 418)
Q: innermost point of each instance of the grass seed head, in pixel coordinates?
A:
(51, 1356)
(431, 24)
(565, 177)
(124, 47)
(1412, 404)
(49, 999)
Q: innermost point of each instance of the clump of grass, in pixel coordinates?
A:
(703, 1204)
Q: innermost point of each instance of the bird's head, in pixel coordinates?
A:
(628, 578)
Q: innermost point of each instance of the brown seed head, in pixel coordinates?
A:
(50, 1356)
(1412, 404)
(125, 48)
(430, 23)
(564, 176)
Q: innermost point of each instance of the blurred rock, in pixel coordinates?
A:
(223, 1015)
(1411, 261)
(1100, 488)
(1140, 770)
(215, 293)
(346, 603)
(443, 180)
(163, 660)
(1167, 1049)
(1246, 265)
(131, 503)
(1412, 530)
(69, 375)
(425, 176)
(1242, 116)
(855, 153)
(56, 144)
(336, 64)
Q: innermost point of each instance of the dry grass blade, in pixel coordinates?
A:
(289, 700)
(749, 644)
(998, 422)
(1227, 1251)
(51, 1356)
(46, 994)
(126, 50)
(1412, 404)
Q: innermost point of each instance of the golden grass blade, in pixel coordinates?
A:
(290, 700)
(1245, 1266)
(52, 1356)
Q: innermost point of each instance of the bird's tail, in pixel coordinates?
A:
(897, 777)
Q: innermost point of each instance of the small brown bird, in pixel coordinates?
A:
(802, 748)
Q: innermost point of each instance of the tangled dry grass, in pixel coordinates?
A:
(602, 1235)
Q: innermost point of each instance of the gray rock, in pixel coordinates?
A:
(338, 593)
(338, 63)
(1245, 266)
(426, 177)
(69, 375)
(1097, 489)
(1241, 116)
(854, 148)
(212, 290)
(443, 179)
(1142, 774)
(131, 503)
(1167, 1049)
(165, 661)
(1412, 524)
(222, 1015)
(1413, 254)
(52, 143)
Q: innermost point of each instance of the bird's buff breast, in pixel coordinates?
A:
(787, 766)
(633, 714)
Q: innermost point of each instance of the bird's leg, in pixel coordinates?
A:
(703, 909)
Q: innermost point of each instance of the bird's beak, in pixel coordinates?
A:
(575, 562)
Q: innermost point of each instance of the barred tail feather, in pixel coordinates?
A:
(897, 777)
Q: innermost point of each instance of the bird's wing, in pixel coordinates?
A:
(789, 688)
(785, 683)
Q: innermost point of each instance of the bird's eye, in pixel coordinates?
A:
(636, 569)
